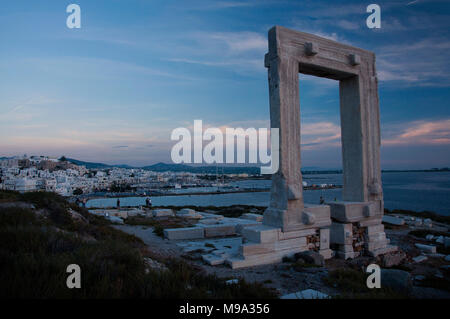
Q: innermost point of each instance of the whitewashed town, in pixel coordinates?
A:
(25, 173)
(34, 173)
(43, 173)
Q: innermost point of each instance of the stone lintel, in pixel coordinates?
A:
(346, 211)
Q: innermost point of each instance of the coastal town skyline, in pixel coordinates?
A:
(113, 90)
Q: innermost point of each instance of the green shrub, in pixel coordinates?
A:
(159, 230)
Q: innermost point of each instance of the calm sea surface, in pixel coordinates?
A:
(416, 191)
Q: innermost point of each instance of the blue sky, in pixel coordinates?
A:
(114, 90)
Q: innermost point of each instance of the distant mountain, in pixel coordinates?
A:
(211, 169)
(92, 165)
(163, 167)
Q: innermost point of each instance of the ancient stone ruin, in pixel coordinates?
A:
(350, 227)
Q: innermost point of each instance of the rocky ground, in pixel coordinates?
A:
(338, 278)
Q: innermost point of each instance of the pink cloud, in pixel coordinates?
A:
(422, 133)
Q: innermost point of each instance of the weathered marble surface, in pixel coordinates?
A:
(354, 230)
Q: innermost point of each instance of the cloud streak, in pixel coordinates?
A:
(422, 133)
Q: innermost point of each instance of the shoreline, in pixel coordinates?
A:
(259, 190)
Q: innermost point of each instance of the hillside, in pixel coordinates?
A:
(41, 234)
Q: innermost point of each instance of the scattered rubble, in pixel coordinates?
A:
(392, 259)
(420, 258)
(426, 248)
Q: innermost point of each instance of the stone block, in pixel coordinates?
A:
(254, 217)
(346, 211)
(240, 227)
(219, 230)
(393, 220)
(376, 237)
(426, 248)
(311, 48)
(370, 222)
(213, 260)
(208, 215)
(384, 250)
(162, 213)
(189, 213)
(324, 234)
(374, 229)
(186, 211)
(260, 259)
(184, 233)
(252, 248)
(419, 259)
(296, 233)
(341, 234)
(321, 215)
(261, 233)
(208, 221)
(374, 245)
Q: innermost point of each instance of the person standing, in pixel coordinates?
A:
(148, 202)
(118, 203)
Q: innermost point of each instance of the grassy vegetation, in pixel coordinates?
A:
(159, 224)
(228, 211)
(424, 214)
(352, 284)
(36, 246)
(437, 283)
